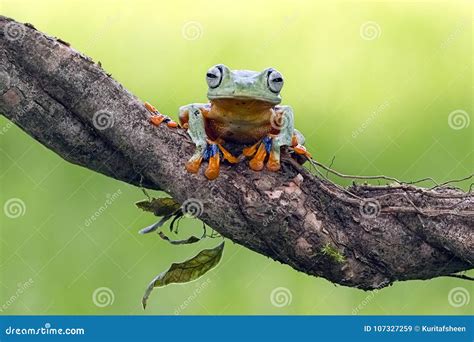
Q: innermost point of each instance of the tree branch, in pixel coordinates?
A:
(383, 233)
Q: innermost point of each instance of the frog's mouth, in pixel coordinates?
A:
(243, 105)
(246, 99)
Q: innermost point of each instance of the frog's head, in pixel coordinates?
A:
(225, 83)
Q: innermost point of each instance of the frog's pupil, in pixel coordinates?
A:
(211, 75)
(278, 79)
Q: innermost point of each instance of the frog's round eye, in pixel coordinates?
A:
(275, 81)
(214, 77)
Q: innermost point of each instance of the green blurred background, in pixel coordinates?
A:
(371, 83)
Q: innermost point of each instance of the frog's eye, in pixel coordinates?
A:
(275, 81)
(214, 76)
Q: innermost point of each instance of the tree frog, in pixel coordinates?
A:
(244, 108)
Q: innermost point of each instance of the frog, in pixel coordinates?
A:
(244, 108)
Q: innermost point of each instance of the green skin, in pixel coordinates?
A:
(245, 85)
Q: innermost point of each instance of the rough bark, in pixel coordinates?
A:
(384, 234)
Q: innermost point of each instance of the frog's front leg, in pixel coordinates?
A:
(192, 117)
(157, 118)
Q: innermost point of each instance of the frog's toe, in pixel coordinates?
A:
(227, 155)
(250, 151)
(193, 164)
(301, 150)
(257, 161)
(150, 107)
(170, 123)
(157, 118)
(273, 163)
(212, 171)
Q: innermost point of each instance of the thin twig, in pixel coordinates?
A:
(454, 181)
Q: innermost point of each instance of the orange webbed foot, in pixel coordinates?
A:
(212, 171)
(250, 151)
(193, 165)
(273, 163)
(257, 161)
(300, 149)
(157, 118)
(227, 155)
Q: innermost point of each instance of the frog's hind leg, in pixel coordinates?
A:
(157, 118)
